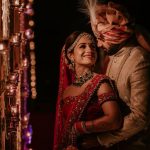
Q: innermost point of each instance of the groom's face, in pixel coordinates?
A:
(105, 18)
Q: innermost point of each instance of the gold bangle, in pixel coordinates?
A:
(83, 124)
(92, 126)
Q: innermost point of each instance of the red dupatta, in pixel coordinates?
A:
(65, 78)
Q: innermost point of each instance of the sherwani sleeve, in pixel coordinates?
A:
(137, 120)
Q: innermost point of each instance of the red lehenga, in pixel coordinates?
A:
(86, 106)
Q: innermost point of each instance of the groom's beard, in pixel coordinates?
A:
(112, 50)
(116, 47)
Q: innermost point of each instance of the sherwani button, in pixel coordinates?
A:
(125, 97)
(115, 61)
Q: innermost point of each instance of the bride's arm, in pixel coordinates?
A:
(111, 120)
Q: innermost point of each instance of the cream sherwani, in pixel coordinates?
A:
(130, 69)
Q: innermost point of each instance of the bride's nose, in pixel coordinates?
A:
(89, 48)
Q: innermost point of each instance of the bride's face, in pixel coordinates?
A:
(84, 52)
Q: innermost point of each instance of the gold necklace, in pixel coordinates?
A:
(79, 81)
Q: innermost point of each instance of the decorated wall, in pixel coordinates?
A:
(17, 73)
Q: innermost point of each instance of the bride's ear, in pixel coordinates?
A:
(70, 56)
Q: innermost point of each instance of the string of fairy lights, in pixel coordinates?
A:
(30, 35)
(18, 73)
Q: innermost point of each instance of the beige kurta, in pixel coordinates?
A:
(130, 69)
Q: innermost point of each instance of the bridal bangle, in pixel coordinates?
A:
(81, 127)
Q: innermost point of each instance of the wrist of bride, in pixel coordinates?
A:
(84, 127)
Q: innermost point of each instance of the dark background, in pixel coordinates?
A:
(54, 21)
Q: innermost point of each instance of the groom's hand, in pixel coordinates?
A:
(89, 142)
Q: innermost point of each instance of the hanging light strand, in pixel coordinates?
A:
(29, 33)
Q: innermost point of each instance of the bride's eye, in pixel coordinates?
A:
(82, 46)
